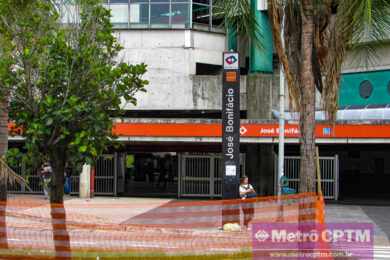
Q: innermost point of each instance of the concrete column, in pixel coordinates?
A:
(262, 96)
(85, 182)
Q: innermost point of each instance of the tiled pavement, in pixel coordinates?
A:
(378, 215)
(335, 213)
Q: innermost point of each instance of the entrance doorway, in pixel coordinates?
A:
(329, 167)
(365, 173)
(201, 174)
(151, 174)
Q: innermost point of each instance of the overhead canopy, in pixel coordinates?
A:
(347, 114)
(252, 131)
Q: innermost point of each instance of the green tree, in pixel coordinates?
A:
(318, 34)
(6, 79)
(3, 144)
(317, 37)
(68, 83)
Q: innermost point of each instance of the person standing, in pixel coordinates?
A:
(68, 182)
(247, 191)
(46, 173)
(165, 172)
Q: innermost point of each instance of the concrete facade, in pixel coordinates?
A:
(264, 95)
(207, 92)
(171, 56)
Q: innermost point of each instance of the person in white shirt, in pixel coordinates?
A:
(46, 173)
(247, 191)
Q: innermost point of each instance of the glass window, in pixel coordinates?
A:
(180, 15)
(159, 15)
(139, 13)
(207, 2)
(200, 14)
(119, 11)
(365, 89)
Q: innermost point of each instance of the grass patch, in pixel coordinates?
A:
(41, 254)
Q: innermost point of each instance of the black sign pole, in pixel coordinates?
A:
(231, 134)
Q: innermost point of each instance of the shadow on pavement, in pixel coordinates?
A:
(3, 225)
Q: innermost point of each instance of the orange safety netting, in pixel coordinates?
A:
(33, 228)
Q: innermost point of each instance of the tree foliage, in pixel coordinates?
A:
(66, 83)
(338, 26)
(317, 36)
(239, 16)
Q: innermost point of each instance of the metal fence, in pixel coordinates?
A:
(200, 175)
(74, 184)
(105, 175)
(329, 174)
(33, 182)
(105, 179)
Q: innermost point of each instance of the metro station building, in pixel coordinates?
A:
(171, 141)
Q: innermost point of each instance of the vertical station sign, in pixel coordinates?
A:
(231, 125)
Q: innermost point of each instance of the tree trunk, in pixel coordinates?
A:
(60, 233)
(57, 161)
(307, 113)
(3, 179)
(3, 145)
(58, 212)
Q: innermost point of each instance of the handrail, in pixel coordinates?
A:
(11, 175)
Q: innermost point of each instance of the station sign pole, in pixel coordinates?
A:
(231, 133)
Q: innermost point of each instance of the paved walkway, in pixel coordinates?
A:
(123, 209)
(108, 210)
(379, 216)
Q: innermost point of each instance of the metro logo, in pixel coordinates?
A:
(231, 76)
(262, 235)
(243, 130)
(231, 60)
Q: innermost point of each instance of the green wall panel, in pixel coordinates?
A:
(350, 85)
(261, 59)
(232, 38)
